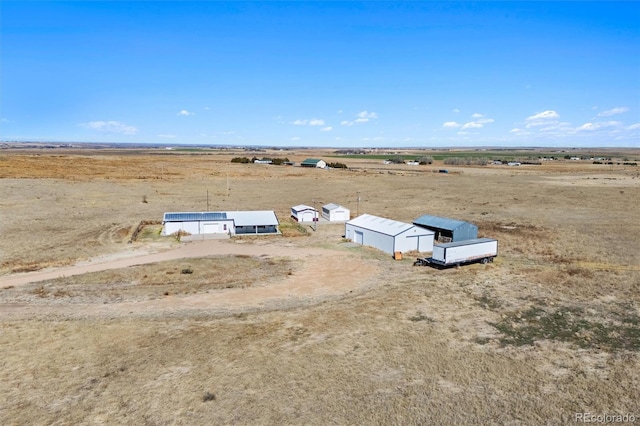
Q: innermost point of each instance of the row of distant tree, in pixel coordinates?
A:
(245, 160)
(421, 160)
(279, 161)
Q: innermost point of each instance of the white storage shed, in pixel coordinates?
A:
(303, 213)
(388, 235)
(335, 213)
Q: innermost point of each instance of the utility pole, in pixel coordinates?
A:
(315, 216)
(207, 200)
(358, 204)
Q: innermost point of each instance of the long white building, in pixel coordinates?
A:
(232, 223)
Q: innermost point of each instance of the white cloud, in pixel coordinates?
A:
(546, 115)
(542, 119)
(463, 133)
(613, 111)
(634, 126)
(311, 122)
(456, 110)
(111, 127)
(326, 129)
(451, 124)
(295, 139)
(367, 115)
(597, 126)
(361, 117)
(185, 113)
(168, 136)
(480, 121)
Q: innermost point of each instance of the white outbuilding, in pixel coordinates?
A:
(335, 213)
(388, 235)
(232, 223)
(304, 213)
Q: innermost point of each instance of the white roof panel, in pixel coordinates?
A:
(253, 218)
(383, 225)
(333, 206)
(302, 207)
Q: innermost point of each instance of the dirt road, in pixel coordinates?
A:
(324, 273)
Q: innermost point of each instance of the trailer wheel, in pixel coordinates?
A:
(484, 261)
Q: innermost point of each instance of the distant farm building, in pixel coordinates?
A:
(263, 161)
(388, 235)
(232, 223)
(314, 162)
(448, 230)
(304, 213)
(335, 213)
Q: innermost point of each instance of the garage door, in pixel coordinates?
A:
(210, 228)
(358, 237)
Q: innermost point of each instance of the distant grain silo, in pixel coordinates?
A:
(448, 230)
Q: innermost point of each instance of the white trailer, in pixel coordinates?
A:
(482, 250)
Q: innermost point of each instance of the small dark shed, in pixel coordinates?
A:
(448, 230)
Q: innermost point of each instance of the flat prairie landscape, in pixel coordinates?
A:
(97, 326)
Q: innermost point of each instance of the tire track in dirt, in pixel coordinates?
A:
(325, 273)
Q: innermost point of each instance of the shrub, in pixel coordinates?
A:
(243, 160)
(424, 160)
(337, 165)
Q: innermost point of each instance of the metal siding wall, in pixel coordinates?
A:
(348, 231)
(382, 242)
(426, 243)
(172, 227)
(372, 239)
(191, 227)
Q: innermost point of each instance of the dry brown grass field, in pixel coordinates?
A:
(303, 328)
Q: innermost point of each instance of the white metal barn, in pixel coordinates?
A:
(238, 222)
(335, 213)
(303, 213)
(388, 235)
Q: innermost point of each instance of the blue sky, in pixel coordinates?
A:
(360, 74)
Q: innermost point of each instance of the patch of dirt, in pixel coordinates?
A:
(323, 273)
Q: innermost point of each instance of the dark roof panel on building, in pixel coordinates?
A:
(439, 222)
(193, 216)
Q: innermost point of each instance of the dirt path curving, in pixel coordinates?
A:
(325, 273)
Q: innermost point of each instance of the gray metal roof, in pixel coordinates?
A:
(333, 206)
(383, 225)
(439, 222)
(193, 216)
